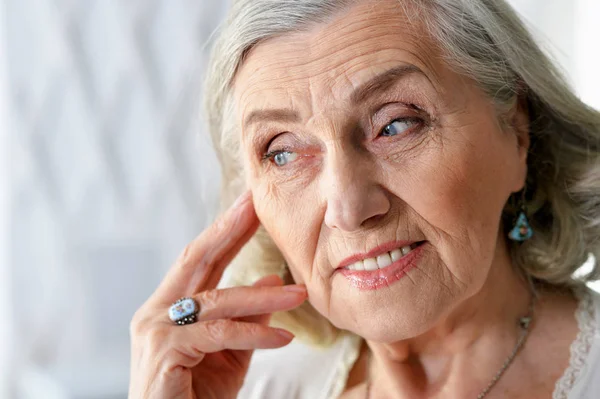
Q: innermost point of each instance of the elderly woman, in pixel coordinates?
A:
(426, 186)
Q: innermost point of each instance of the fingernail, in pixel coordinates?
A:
(241, 199)
(285, 334)
(294, 288)
(267, 279)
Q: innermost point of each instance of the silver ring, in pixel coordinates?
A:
(184, 311)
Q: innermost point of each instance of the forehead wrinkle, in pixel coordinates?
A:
(362, 28)
(322, 86)
(323, 65)
(322, 42)
(327, 76)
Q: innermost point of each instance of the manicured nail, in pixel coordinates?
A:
(285, 334)
(294, 288)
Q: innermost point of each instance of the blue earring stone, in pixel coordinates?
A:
(522, 230)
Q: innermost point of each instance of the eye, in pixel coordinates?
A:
(281, 157)
(398, 126)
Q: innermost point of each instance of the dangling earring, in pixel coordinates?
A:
(521, 230)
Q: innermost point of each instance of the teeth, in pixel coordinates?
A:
(384, 260)
(381, 261)
(370, 264)
(359, 265)
(396, 254)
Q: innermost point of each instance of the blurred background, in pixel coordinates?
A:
(106, 170)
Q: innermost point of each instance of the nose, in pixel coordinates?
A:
(353, 194)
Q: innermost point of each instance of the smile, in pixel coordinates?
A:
(379, 267)
(383, 260)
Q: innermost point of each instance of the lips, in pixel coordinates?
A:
(381, 266)
(383, 260)
(390, 248)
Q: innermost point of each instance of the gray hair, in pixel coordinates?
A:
(486, 41)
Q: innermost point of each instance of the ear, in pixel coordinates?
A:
(519, 124)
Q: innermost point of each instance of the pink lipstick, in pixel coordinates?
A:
(381, 266)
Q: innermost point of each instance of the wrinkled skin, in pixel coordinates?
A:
(444, 179)
(342, 166)
(340, 160)
(207, 359)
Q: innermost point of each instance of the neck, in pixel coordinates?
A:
(482, 330)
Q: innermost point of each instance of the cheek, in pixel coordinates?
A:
(459, 190)
(271, 211)
(289, 223)
(464, 189)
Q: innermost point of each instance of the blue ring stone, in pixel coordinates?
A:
(184, 311)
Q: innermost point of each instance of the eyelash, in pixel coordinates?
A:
(413, 119)
(269, 155)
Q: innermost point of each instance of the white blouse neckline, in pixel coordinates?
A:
(580, 348)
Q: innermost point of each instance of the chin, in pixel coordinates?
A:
(391, 318)
(398, 324)
(404, 310)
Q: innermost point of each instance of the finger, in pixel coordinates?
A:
(211, 251)
(249, 301)
(219, 257)
(263, 319)
(187, 347)
(212, 280)
(221, 334)
(272, 280)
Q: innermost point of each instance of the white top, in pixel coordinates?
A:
(298, 371)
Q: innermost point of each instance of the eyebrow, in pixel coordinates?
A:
(273, 115)
(378, 84)
(382, 82)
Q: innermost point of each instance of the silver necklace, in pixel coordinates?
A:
(524, 323)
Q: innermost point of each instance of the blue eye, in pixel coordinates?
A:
(281, 158)
(398, 126)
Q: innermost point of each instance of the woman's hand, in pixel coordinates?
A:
(207, 359)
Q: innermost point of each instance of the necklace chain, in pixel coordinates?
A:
(524, 324)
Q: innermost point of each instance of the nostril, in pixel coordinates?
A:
(373, 221)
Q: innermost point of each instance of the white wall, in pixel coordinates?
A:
(552, 24)
(586, 58)
(570, 32)
(115, 175)
(5, 275)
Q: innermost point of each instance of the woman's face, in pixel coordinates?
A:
(358, 140)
